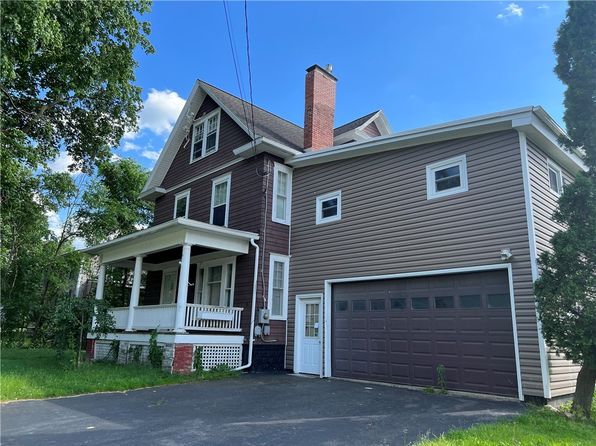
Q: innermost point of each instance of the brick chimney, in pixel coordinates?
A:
(319, 107)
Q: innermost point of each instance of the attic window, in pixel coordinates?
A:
(205, 136)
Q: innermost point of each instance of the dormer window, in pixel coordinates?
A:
(205, 136)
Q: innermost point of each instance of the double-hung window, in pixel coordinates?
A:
(205, 136)
(278, 286)
(328, 207)
(215, 282)
(282, 194)
(220, 200)
(555, 178)
(446, 177)
(181, 203)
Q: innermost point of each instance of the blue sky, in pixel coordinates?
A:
(421, 62)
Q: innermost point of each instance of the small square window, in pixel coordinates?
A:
(341, 305)
(470, 301)
(446, 177)
(499, 301)
(420, 303)
(181, 203)
(555, 178)
(377, 305)
(328, 207)
(358, 305)
(398, 303)
(442, 302)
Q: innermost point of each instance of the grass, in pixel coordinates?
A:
(537, 427)
(38, 373)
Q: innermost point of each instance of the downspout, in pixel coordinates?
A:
(253, 309)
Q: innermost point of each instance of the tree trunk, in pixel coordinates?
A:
(584, 391)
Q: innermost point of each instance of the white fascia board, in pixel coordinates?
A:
(261, 145)
(152, 193)
(175, 139)
(383, 124)
(171, 338)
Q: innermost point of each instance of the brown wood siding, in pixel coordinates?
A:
(388, 226)
(563, 373)
(372, 130)
(231, 136)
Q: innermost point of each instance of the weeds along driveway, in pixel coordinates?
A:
(250, 410)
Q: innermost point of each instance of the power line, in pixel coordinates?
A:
(252, 108)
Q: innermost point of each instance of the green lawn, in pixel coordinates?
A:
(538, 427)
(37, 373)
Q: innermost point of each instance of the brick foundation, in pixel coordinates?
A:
(182, 362)
(90, 349)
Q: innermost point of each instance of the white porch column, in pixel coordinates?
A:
(136, 289)
(101, 278)
(182, 289)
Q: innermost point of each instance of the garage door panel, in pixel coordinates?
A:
(382, 332)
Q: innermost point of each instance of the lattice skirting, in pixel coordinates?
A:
(213, 355)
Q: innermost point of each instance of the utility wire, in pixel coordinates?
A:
(252, 108)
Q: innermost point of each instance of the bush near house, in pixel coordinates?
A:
(538, 427)
(39, 373)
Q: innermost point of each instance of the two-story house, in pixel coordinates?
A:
(348, 252)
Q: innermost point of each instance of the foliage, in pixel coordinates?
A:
(67, 77)
(536, 427)
(197, 360)
(135, 351)
(111, 205)
(566, 290)
(66, 84)
(576, 67)
(72, 319)
(155, 351)
(441, 379)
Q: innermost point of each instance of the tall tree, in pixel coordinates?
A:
(566, 290)
(67, 77)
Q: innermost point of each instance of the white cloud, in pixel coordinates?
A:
(159, 113)
(513, 9)
(61, 163)
(150, 154)
(78, 243)
(543, 8)
(115, 158)
(54, 223)
(129, 146)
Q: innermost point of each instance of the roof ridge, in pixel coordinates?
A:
(248, 103)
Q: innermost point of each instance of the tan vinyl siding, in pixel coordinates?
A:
(563, 373)
(388, 226)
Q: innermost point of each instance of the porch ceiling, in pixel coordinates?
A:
(170, 235)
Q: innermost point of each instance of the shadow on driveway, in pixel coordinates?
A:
(253, 409)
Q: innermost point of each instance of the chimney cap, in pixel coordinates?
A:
(327, 70)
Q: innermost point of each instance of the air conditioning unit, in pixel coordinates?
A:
(264, 316)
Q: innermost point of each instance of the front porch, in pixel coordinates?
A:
(189, 272)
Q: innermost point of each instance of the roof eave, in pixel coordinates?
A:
(262, 144)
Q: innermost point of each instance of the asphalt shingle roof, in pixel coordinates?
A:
(353, 124)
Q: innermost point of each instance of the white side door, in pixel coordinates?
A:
(308, 336)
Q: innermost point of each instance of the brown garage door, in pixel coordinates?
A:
(400, 330)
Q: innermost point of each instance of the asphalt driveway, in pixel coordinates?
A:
(250, 410)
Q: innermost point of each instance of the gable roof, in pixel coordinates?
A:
(354, 124)
(266, 123)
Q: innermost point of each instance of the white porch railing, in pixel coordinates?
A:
(197, 317)
(211, 317)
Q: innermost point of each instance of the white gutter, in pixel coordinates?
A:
(262, 144)
(251, 337)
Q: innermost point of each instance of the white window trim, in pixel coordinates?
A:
(163, 283)
(430, 177)
(551, 165)
(227, 178)
(284, 304)
(178, 196)
(287, 170)
(204, 119)
(319, 204)
(216, 262)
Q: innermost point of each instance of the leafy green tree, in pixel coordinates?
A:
(67, 77)
(566, 290)
(111, 206)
